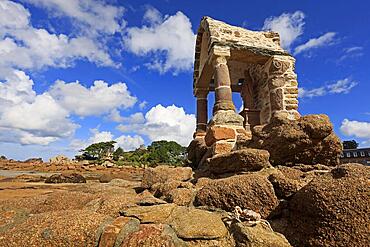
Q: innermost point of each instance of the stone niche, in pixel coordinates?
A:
(233, 59)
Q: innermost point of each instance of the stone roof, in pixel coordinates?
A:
(238, 38)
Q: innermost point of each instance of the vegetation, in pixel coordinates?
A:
(159, 152)
(350, 144)
(2, 157)
(97, 151)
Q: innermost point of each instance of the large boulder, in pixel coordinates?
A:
(60, 160)
(65, 178)
(332, 210)
(191, 223)
(238, 161)
(152, 235)
(252, 191)
(196, 151)
(162, 174)
(309, 140)
(257, 235)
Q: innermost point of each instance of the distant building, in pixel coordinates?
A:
(359, 155)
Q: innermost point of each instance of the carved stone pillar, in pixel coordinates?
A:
(223, 93)
(202, 112)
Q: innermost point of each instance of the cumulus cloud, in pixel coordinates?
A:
(288, 25)
(169, 41)
(165, 123)
(24, 47)
(127, 142)
(343, 86)
(96, 16)
(324, 40)
(30, 118)
(99, 99)
(13, 15)
(352, 128)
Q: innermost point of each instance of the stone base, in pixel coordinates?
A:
(226, 118)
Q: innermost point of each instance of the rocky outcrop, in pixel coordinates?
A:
(309, 140)
(244, 160)
(196, 151)
(162, 174)
(65, 178)
(58, 228)
(34, 160)
(60, 160)
(257, 235)
(332, 210)
(250, 191)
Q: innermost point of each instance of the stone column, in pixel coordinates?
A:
(223, 93)
(226, 125)
(202, 112)
(282, 84)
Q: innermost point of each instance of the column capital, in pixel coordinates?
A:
(220, 54)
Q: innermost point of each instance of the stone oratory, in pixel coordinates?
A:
(233, 59)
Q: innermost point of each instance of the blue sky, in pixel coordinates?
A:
(81, 71)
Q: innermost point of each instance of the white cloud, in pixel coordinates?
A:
(341, 86)
(13, 15)
(351, 52)
(28, 118)
(129, 143)
(126, 142)
(99, 99)
(169, 42)
(95, 16)
(143, 104)
(325, 39)
(24, 47)
(152, 16)
(165, 123)
(356, 129)
(288, 25)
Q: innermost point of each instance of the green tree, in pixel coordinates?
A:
(97, 151)
(118, 154)
(168, 152)
(352, 144)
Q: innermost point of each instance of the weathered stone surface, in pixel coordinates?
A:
(222, 147)
(162, 189)
(59, 228)
(105, 178)
(309, 140)
(147, 199)
(250, 191)
(150, 214)
(180, 196)
(258, 235)
(191, 223)
(285, 187)
(238, 161)
(332, 210)
(153, 235)
(218, 133)
(196, 150)
(60, 160)
(227, 118)
(114, 233)
(65, 178)
(161, 174)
